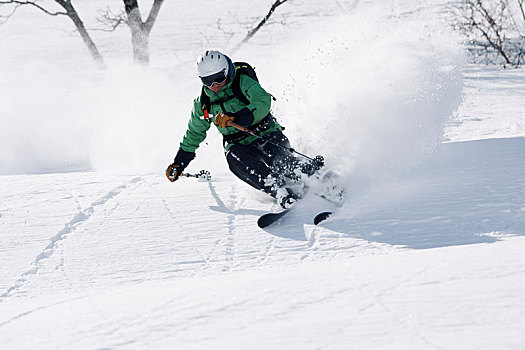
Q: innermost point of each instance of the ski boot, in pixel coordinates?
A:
(286, 198)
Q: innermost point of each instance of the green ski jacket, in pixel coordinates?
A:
(222, 102)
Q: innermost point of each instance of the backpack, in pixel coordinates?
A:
(242, 68)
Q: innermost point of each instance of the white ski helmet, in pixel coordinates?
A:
(212, 63)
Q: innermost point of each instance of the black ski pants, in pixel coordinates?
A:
(263, 165)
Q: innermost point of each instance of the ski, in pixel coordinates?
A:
(269, 218)
(322, 217)
(328, 188)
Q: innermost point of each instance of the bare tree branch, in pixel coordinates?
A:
(110, 21)
(5, 18)
(229, 34)
(31, 3)
(253, 31)
(155, 8)
(495, 45)
(77, 21)
(520, 3)
(493, 30)
(496, 30)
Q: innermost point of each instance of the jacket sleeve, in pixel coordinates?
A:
(183, 158)
(197, 128)
(260, 102)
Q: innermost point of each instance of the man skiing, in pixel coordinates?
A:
(256, 149)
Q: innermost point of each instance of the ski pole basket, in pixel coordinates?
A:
(203, 174)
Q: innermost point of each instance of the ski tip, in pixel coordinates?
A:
(322, 217)
(262, 223)
(269, 218)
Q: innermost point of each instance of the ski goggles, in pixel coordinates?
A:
(217, 78)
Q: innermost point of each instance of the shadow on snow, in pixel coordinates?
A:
(469, 192)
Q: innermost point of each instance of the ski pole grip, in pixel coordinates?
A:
(238, 127)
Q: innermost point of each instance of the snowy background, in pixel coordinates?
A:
(99, 250)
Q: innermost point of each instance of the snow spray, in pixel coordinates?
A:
(370, 91)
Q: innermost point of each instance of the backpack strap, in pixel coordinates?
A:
(205, 105)
(236, 88)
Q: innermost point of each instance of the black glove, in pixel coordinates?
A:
(182, 159)
(173, 172)
(243, 117)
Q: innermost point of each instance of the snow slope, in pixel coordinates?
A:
(99, 250)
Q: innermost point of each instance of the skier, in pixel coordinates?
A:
(230, 94)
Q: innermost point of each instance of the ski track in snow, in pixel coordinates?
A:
(267, 251)
(204, 260)
(80, 218)
(235, 204)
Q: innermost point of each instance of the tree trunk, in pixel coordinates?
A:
(140, 30)
(140, 42)
(139, 38)
(93, 50)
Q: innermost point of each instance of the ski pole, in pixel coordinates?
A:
(248, 131)
(203, 174)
